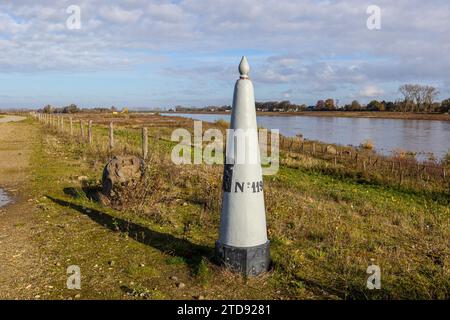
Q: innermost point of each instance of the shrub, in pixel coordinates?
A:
(367, 144)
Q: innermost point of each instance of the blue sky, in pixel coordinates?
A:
(145, 54)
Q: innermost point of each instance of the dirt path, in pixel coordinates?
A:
(8, 118)
(19, 259)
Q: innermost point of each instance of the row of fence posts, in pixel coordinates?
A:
(420, 172)
(58, 123)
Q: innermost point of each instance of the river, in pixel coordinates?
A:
(424, 137)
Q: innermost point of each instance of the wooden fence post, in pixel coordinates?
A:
(111, 135)
(62, 124)
(82, 130)
(300, 141)
(71, 126)
(144, 143)
(90, 131)
(314, 149)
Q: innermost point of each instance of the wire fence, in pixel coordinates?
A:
(398, 168)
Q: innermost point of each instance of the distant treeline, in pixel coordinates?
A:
(73, 108)
(416, 98)
(330, 105)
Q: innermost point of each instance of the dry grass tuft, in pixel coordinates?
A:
(367, 144)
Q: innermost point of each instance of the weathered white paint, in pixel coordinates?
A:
(243, 220)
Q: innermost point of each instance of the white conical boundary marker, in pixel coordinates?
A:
(243, 245)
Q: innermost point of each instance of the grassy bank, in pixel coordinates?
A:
(325, 229)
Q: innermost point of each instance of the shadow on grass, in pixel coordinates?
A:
(90, 192)
(191, 253)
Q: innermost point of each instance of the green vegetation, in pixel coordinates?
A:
(416, 99)
(327, 224)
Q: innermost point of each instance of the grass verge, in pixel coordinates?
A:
(325, 231)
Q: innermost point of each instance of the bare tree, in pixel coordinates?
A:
(417, 97)
(429, 95)
(407, 90)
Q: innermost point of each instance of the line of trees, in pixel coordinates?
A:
(268, 106)
(73, 108)
(208, 108)
(416, 98)
(279, 106)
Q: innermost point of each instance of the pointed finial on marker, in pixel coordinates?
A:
(244, 68)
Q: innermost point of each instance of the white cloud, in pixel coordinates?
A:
(320, 47)
(371, 91)
(116, 14)
(9, 27)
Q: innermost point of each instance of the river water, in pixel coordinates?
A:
(421, 136)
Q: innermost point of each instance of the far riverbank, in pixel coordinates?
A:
(344, 114)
